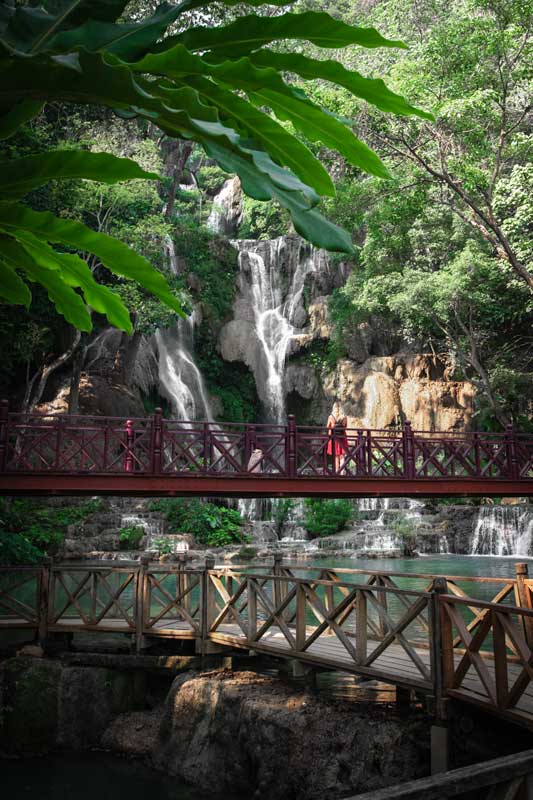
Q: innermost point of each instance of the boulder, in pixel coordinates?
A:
(265, 739)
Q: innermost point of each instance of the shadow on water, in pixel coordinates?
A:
(89, 775)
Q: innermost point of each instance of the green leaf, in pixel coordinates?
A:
(12, 288)
(22, 175)
(11, 120)
(281, 145)
(129, 40)
(318, 126)
(373, 90)
(115, 255)
(75, 273)
(249, 33)
(29, 28)
(67, 302)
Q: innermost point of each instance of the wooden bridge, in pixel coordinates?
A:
(83, 455)
(435, 637)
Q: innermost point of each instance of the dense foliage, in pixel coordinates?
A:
(327, 517)
(210, 524)
(29, 531)
(202, 83)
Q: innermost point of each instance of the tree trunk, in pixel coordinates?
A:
(31, 400)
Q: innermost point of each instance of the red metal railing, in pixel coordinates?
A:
(74, 444)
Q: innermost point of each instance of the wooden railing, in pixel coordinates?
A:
(78, 445)
(434, 636)
(507, 778)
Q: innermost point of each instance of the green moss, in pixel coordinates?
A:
(30, 703)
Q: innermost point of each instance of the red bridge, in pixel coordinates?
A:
(77, 455)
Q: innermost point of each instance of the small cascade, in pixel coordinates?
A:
(503, 530)
(226, 212)
(180, 379)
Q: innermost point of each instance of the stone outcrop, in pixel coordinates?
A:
(267, 740)
(48, 706)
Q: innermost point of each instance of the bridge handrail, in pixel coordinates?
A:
(458, 782)
(77, 444)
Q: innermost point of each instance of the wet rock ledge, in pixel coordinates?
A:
(227, 731)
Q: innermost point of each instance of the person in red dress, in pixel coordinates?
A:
(338, 441)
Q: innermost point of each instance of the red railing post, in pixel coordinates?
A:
(360, 453)
(408, 451)
(157, 441)
(128, 460)
(4, 416)
(206, 450)
(291, 446)
(510, 451)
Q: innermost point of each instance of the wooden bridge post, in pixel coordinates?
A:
(249, 444)
(360, 459)
(291, 446)
(142, 602)
(510, 452)
(44, 595)
(441, 646)
(280, 589)
(208, 601)
(157, 441)
(523, 599)
(408, 451)
(4, 416)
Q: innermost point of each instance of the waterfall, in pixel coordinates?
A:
(272, 279)
(179, 377)
(503, 530)
(226, 211)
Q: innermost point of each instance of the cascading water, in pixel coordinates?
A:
(503, 530)
(274, 296)
(180, 379)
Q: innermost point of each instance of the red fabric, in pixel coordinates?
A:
(341, 444)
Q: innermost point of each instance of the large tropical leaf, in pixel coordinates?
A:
(14, 117)
(115, 255)
(373, 90)
(318, 126)
(249, 33)
(28, 28)
(67, 301)
(12, 287)
(128, 40)
(75, 273)
(281, 144)
(22, 175)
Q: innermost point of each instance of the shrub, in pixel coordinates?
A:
(29, 532)
(163, 546)
(326, 517)
(130, 537)
(404, 529)
(210, 524)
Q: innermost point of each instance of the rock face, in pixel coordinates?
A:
(385, 390)
(48, 706)
(261, 737)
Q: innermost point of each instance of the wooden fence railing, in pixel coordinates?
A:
(432, 635)
(506, 778)
(90, 445)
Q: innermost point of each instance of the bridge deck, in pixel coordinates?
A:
(436, 639)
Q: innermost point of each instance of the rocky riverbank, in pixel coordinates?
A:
(245, 732)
